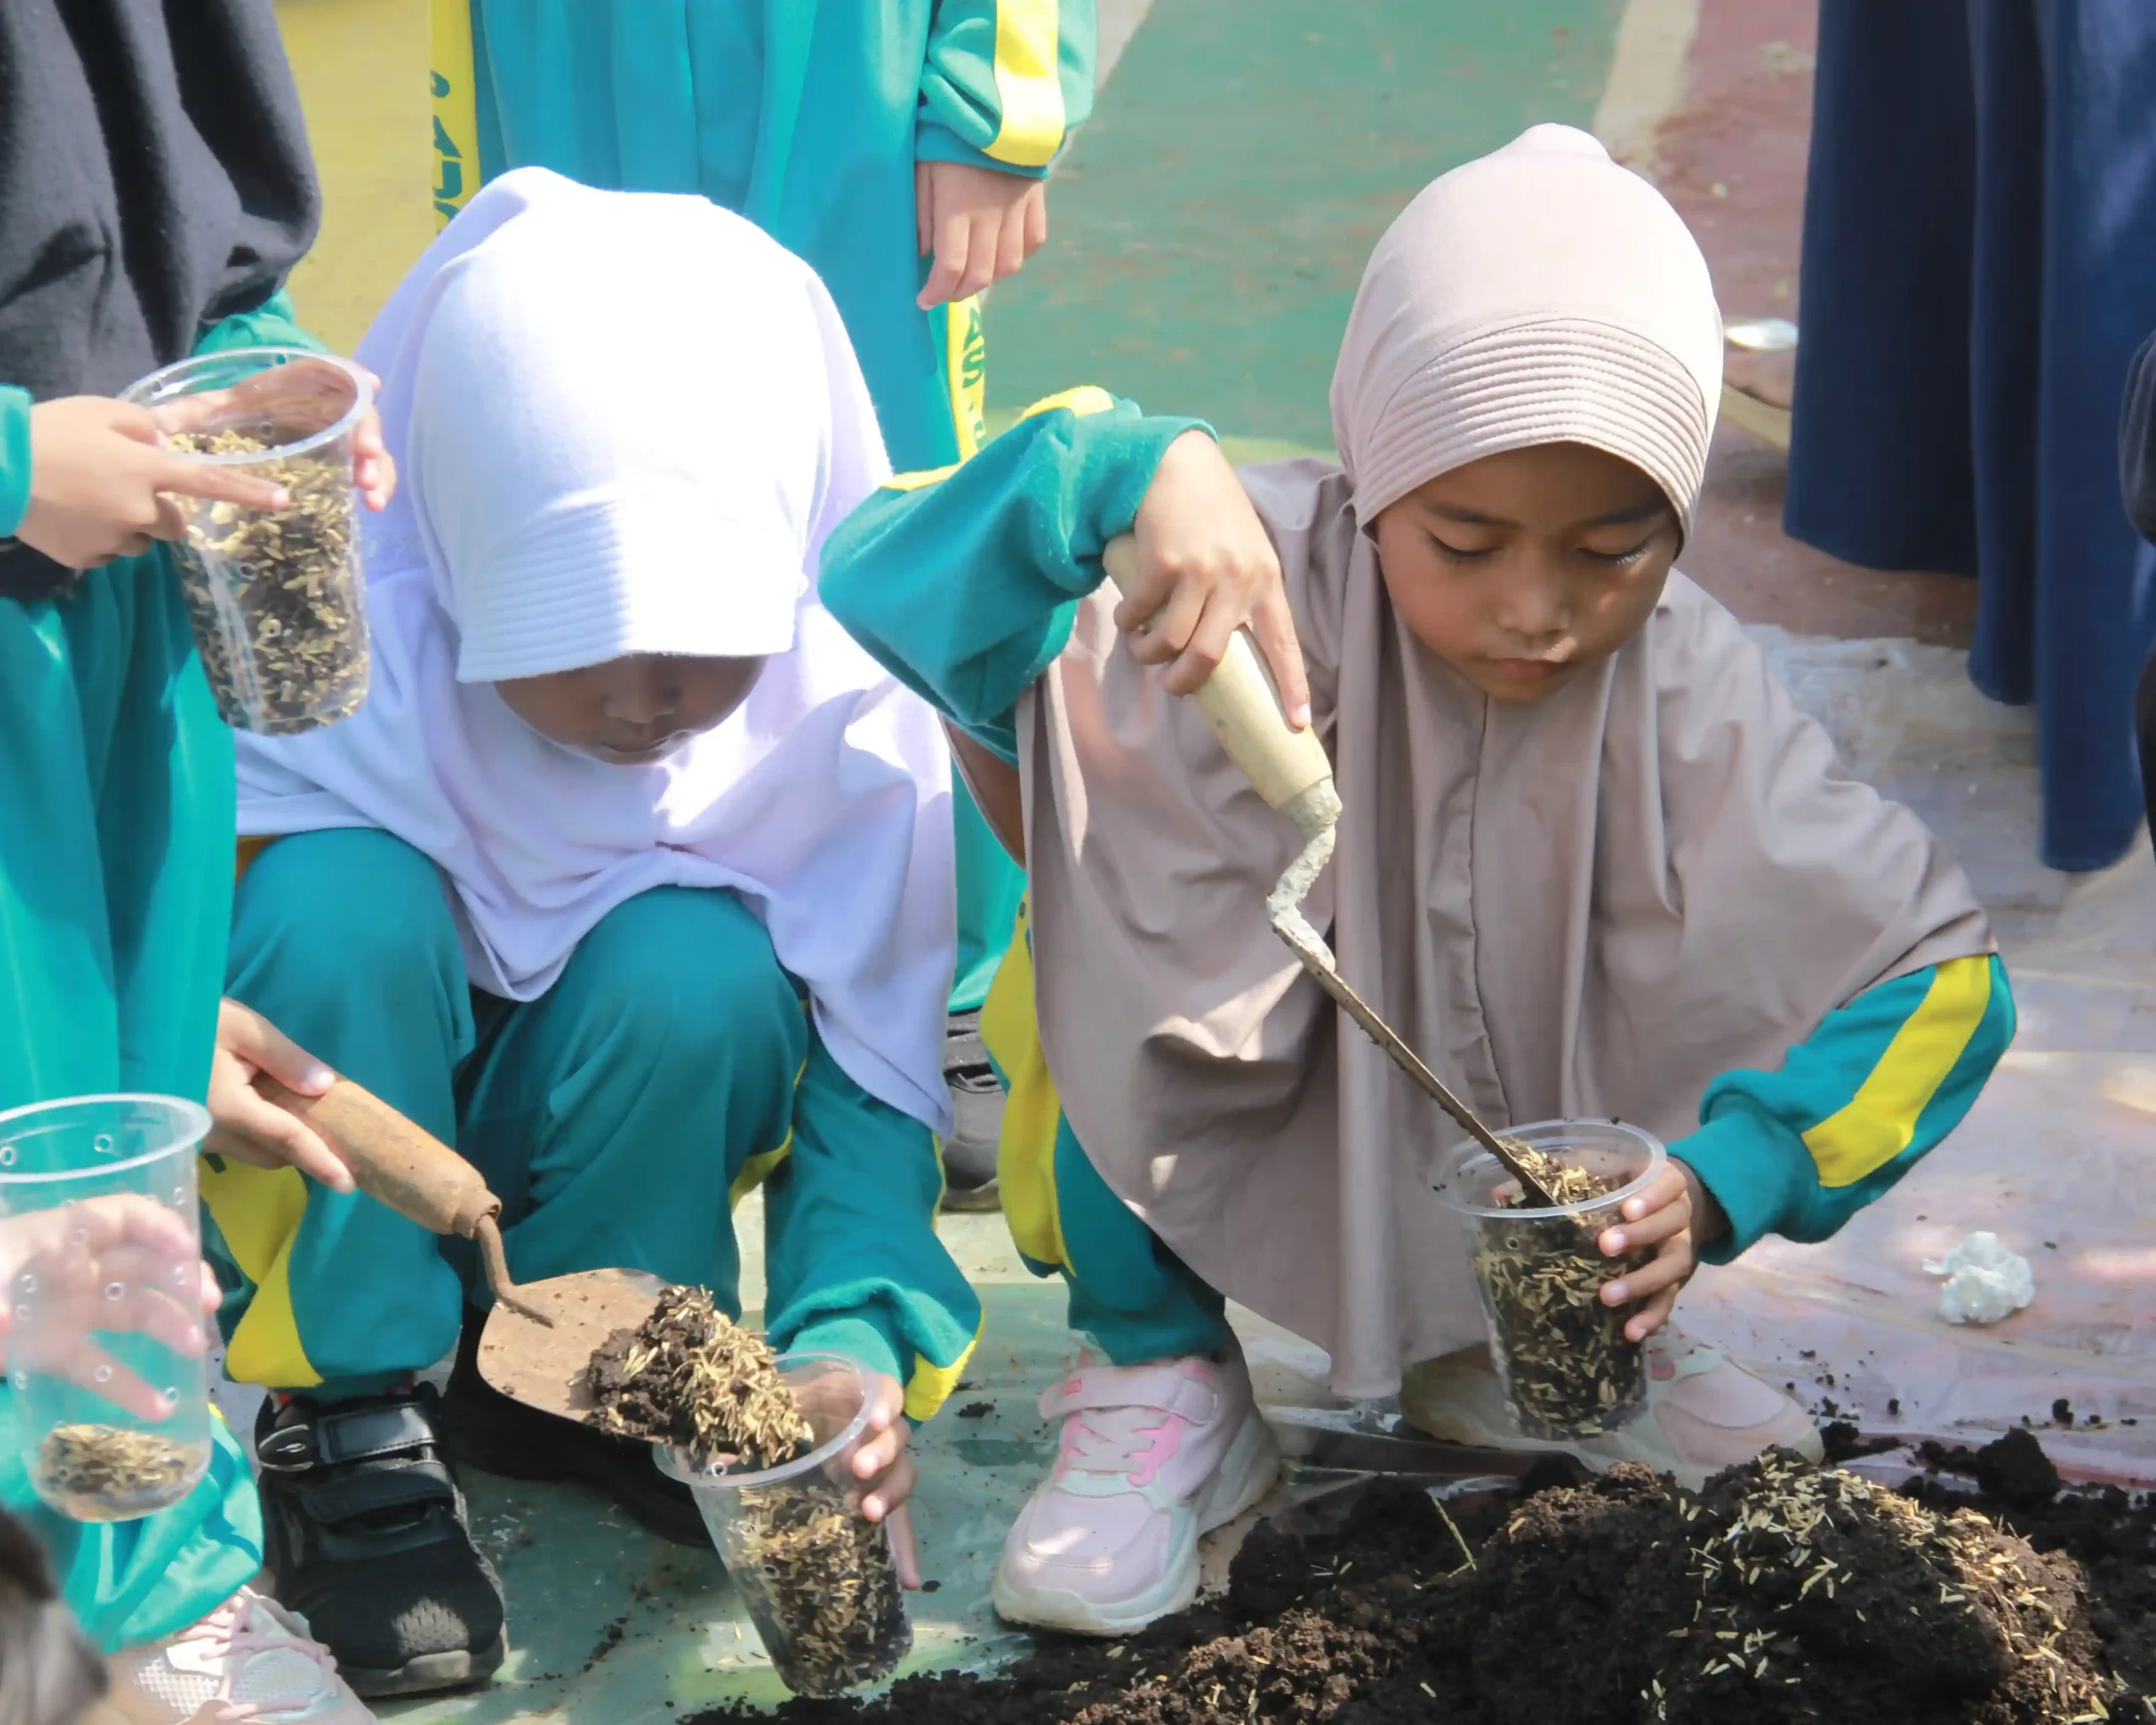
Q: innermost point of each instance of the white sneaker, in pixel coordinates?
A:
(1703, 1412)
(250, 1662)
(1150, 1457)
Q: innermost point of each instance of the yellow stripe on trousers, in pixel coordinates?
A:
(1032, 1112)
(456, 108)
(1880, 1121)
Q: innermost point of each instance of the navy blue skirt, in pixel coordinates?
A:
(1979, 267)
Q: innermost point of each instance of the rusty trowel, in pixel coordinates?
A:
(540, 1335)
(1293, 774)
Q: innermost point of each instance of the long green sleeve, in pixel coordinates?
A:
(1006, 82)
(270, 325)
(1855, 1106)
(963, 582)
(14, 459)
(853, 1264)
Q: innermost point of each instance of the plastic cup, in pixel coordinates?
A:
(1567, 1370)
(273, 595)
(820, 1582)
(101, 1260)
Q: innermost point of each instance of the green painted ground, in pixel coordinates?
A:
(1209, 228)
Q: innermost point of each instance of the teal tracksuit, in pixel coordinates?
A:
(807, 116)
(115, 885)
(670, 1067)
(1010, 543)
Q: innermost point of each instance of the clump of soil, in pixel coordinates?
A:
(688, 1375)
(1566, 1364)
(818, 1581)
(1781, 1592)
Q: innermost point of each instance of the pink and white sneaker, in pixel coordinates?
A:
(250, 1662)
(1151, 1456)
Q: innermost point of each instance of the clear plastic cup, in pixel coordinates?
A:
(820, 1582)
(101, 1260)
(274, 594)
(1561, 1355)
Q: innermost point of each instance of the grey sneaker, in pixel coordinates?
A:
(976, 1119)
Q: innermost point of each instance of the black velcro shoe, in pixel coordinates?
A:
(367, 1536)
(487, 1430)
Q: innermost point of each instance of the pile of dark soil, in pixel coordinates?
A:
(688, 1377)
(1781, 1592)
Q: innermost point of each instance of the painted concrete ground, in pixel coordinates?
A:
(1208, 229)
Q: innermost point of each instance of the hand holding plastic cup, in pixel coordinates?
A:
(101, 1272)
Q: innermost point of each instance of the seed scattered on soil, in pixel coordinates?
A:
(110, 1473)
(1567, 1363)
(689, 1377)
(1780, 1594)
(274, 594)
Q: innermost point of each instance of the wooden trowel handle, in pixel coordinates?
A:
(392, 1160)
(1240, 703)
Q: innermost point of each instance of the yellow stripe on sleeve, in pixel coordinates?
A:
(457, 113)
(965, 361)
(1085, 398)
(930, 1385)
(1028, 88)
(1880, 1121)
(922, 480)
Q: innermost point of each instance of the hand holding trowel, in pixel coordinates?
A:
(1291, 770)
(540, 1336)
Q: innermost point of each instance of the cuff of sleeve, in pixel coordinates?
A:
(14, 459)
(936, 142)
(1120, 499)
(1740, 1159)
(865, 1336)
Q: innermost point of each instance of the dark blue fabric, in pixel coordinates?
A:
(1979, 266)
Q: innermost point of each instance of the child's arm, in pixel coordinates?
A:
(1855, 1106)
(1005, 83)
(854, 1266)
(964, 582)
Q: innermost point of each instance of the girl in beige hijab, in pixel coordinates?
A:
(1594, 864)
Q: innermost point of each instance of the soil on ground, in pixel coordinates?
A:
(1781, 1592)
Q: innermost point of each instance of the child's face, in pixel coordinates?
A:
(631, 712)
(1522, 568)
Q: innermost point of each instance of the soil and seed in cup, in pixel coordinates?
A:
(763, 1441)
(274, 594)
(1568, 1369)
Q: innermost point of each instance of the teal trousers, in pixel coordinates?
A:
(612, 1116)
(115, 880)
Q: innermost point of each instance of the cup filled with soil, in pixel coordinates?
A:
(1561, 1355)
(101, 1262)
(765, 1442)
(273, 595)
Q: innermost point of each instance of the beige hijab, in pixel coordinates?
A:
(1591, 906)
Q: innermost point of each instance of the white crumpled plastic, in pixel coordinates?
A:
(1985, 1281)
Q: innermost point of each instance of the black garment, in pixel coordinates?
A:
(154, 178)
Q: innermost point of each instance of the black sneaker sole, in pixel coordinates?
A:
(431, 1673)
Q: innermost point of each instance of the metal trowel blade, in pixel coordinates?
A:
(544, 1368)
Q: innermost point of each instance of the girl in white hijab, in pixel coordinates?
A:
(632, 879)
(1593, 863)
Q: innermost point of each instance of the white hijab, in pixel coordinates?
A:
(626, 423)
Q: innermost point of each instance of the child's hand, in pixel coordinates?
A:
(981, 225)
(296, 394)
(886, 1467)
(1664, 1216)
(248, 1126)
(97, 470)
(106, 1263)
(1205, 568)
